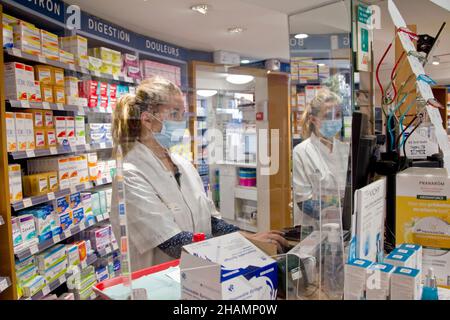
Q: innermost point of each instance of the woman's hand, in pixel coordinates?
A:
(275, 237)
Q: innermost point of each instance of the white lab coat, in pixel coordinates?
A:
(157, 208)
(313, 162)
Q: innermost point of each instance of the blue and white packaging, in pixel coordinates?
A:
(229, 267)
(356, 274)
(406, 284)
(399, 259)
(378, 281)
(418, 256)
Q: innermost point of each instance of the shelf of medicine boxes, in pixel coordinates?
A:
(52, 286)
(37, 248)
(14, 52)
(78, 110)
(16, 155)
(4, 283)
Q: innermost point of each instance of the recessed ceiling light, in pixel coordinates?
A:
(301, 36)
(201, 8)
(239, 78)
(236, 30)
(206, 93)
(245, 61)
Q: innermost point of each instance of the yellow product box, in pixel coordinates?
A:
(49, 45)
(8, 19)
(78, 46)
(15, 183)
(423, 207)
(59, 94)
(47, 93)
(116, 70)
(27, 37)
(29, 131)
(95, 64)
(39, 139)
(116, 57)
(50, 138)
(8, 36)
(52, 181)
(19, 122)
(106, 68)
(102, 53)
(43, 74)
(92, 166)
(73, 171)
(11, 140)
(35, 94)
(38, 117)
(66, 57)
(35, 185)
(58, 76)
(48, 119)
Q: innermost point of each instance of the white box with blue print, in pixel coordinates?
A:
(229, 267)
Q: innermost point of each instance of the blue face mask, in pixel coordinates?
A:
(171, 134)
(330, 128)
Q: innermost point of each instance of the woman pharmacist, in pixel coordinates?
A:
(165, 199)
(321, 156)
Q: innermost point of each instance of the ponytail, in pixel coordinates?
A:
(150, 94)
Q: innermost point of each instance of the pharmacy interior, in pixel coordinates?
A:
(136, 168)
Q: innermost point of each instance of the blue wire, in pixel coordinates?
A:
(402, 117)
(391, 115)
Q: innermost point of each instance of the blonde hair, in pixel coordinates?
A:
(150, 94)
(315, 108)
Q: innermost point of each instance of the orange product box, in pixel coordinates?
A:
(47, 93)
(81, 250)
(29, 131)
(58, 76)
(44, 74)
(59, 94)
(48, 119)
(40, 140)
(53, 184)
(11, 139)
(50, 138)
(36, 95)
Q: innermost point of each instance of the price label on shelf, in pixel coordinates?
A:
(25, 104)
(82, 226)
(46, 105)
(81, 111)
(45, 291)
(34, 249)
(67, 233)
(115, 77)
(30, 153)
(60, 106)
(102, 145)
(16, 52)
(51, 196)
(56, 239)
(96, 73)
(73, 189)
(53, 150)
(127, 79)
(87, 147)
(87, 185)
(106, 216)
(61, 280)
(72, 67)
(42, 59)
(83, 265)
(27, 202)
(100, 218)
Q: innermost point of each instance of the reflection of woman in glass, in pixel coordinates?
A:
(320, 157)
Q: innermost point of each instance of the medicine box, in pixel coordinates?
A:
(15, 81)
(61, 131)
(100, 237)
(50, 138)
(81, 245)
(355, 279)
(38, 117)
(29, 131)
(53, 184)
(59, 95)
(78, 215)
(15, 183)
(80, 130)
(423, 207)
(229, 267)
(102, 53)
(48, 120)
(78, 46)
(28, 228)
(73, 171)
(73, 257)
(17, 235)
(44, 221)
(47, 93)
(27, 37)
(35, 185)
(49, 45)
(36, 95)
(66, 57)
(34, 286)
(55, 271)
(70, 131)
(95, 64)
(398, 259)
(11, 140)
(71, 86)
(43, 74)
(8, 37)
(405, 284)
(51, 256)
(379, 281)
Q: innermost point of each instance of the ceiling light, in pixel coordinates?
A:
(235, 30)
(206, 93)
(239, 78)
(200, 8)
(301, 36)
(245, 61)
(436, 61)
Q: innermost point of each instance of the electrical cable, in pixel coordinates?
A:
(390, 129)
(401, 119)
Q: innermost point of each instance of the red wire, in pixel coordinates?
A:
(392, 76)
(378, 70)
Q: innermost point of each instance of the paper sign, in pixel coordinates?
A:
(420, 146)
